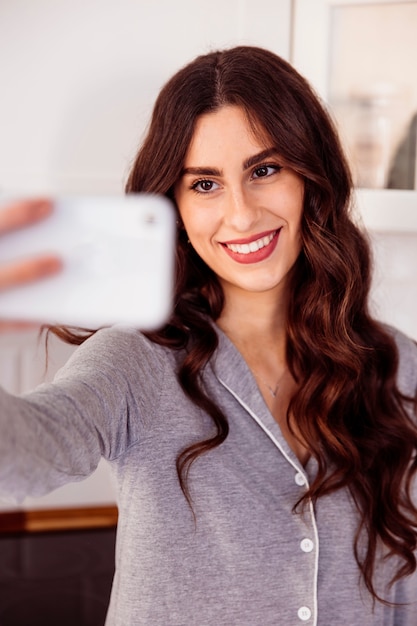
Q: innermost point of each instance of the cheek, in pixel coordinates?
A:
(198, 224)
(190, 224)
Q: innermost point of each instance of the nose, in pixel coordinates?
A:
(241, 211)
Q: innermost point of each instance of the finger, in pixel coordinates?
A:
(7, 326)
(21, 272)
(21, 213)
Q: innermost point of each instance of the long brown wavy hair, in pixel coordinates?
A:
(347, 406)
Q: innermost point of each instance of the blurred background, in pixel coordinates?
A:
(78, 80)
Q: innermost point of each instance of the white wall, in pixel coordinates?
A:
(394, 293)
(78, 79)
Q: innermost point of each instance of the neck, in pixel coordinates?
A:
(254, 317)
(256, 324)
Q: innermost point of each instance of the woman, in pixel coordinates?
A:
(264, 440)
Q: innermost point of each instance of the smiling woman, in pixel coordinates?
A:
(334, 370)
(272, 408)
(239, 205)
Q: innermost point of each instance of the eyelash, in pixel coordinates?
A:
(277, 168)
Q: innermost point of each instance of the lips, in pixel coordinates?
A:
(252, 250)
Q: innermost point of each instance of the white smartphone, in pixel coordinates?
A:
(118, 263)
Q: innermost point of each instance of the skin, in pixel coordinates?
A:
(236, 190)
(17, 215)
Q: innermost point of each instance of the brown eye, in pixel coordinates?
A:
(206, 185)
(262, 171)
(203, 186)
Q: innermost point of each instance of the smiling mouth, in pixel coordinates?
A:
(253, 246)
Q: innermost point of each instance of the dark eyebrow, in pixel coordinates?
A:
(213, 171)
(201, 171)
(258, 158)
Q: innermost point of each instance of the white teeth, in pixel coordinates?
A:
(253, 246)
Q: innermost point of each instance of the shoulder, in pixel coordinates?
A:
(121, 349)
(407, 366)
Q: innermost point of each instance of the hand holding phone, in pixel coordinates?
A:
(19, 214)
(117, 262)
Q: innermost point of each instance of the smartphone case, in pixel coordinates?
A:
(118, 263)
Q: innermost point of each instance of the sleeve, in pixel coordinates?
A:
(96, 407)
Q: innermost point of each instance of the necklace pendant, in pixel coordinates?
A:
(273, 391)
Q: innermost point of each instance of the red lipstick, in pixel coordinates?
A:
(252, 249)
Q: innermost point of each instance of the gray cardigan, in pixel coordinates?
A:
(247, 559)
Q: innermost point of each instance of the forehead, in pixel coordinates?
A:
(226, 130)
